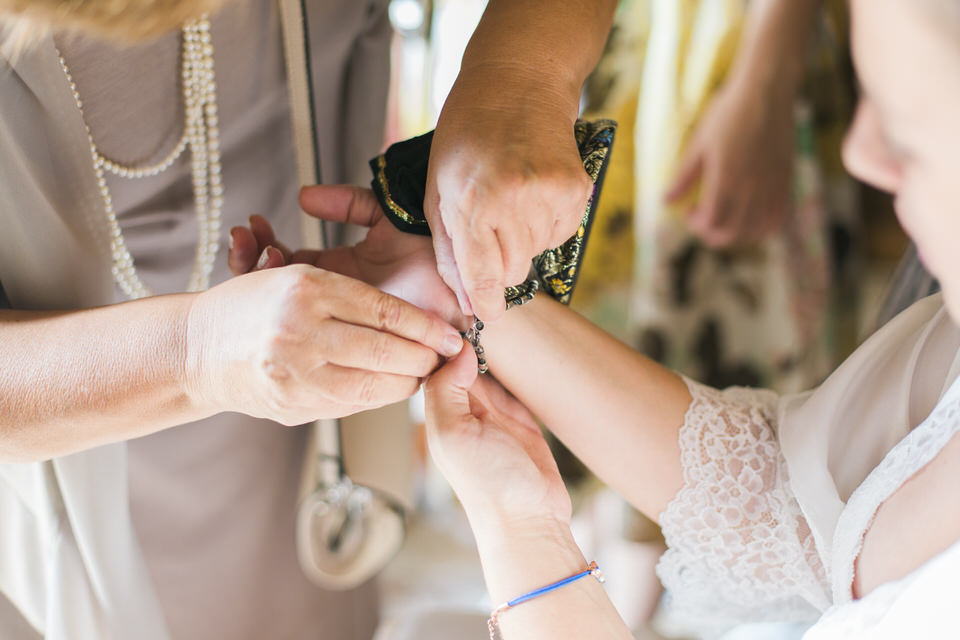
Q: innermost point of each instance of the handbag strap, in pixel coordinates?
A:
(296, 55)
(325, 455)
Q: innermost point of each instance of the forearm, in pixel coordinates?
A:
(552, 46)
(773, 48)
(517, 561)
(616, 410)
(78, 379)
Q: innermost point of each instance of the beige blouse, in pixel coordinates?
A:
(188, 533)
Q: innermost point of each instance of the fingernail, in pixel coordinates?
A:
(231, 240)
(464, 304)
(264, 257)
(452, 344)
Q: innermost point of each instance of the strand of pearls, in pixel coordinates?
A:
(202, 135)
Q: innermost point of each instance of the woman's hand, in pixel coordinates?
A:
(400, 264)
(298, 343)
(505, 182)
(741, 156)
(505, 179)
(492, 451)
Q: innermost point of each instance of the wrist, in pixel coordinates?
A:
(519, 555)
(774, 48)
(518, 84)
(197, 365)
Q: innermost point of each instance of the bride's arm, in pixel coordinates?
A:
(617, 410)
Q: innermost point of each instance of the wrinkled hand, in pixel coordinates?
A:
(505, 182)
(298, 343)
(741, 155)
(491, 449)
(398, 263)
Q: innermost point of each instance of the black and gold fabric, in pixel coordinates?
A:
(400, 178)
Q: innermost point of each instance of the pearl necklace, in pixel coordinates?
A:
(202, 135)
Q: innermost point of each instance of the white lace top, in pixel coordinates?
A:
(779, 491)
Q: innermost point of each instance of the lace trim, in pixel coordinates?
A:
(906, 458)
(739, 548)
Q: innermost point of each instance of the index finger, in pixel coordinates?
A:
(365, 305)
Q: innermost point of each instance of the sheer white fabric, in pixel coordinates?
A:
(908, 457)
(779, 491)
(739, 548)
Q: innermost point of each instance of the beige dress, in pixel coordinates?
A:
(213, 503)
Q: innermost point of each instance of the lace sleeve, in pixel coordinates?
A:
(739, 549)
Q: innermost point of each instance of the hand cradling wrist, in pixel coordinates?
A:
(400, 179)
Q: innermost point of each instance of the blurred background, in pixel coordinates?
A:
(779, 311)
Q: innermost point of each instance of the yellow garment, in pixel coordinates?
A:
(691, 48)
(759, 316)
(679, 65)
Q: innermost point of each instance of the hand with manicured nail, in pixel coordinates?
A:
(299, 343)
(400, 264)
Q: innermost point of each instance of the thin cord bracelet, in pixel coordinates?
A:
(493, 623)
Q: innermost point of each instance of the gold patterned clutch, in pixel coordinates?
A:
(400, 178)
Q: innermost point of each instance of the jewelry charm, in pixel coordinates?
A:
(201, 134)
(514, 297)
(472, 335)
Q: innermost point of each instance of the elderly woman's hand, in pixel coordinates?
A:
(505, 182)
(492, 451)
(299, 343)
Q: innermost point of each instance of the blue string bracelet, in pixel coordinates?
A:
(492, 623)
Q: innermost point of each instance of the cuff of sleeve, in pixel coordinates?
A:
(400, 179)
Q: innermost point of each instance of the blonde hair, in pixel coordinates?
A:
(25, 21)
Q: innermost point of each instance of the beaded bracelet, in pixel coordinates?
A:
(493, 621)
(515, 296)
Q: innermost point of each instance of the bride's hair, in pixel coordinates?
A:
(24, 21)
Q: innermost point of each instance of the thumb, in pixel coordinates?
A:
(341, 203)
(447, 266)
(447, 391)
(690, 168)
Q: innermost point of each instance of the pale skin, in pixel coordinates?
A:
(919, 520)
(549, 357)
(733, 180)
(290, 345)
(300, 344)
(504, 145)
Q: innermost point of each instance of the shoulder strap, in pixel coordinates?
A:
(296, 50)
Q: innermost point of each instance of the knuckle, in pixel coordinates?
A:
(368, 389)
(282, 335)
(387, 310)
(380, 351)
(276, 373)
(299, 284)
(277, 386)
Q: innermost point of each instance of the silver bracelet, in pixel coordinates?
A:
(472, 335)
(515, 296)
